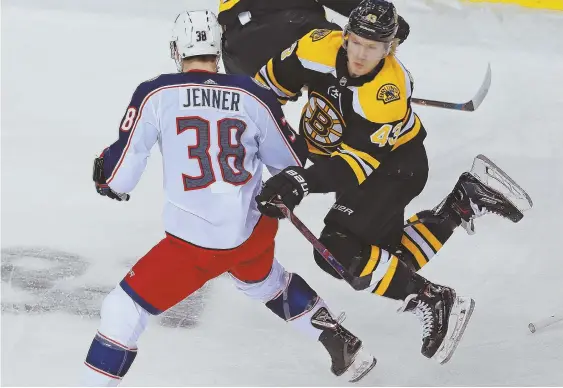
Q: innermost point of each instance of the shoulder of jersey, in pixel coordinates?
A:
(385, 97)
(248, 84)
(320, 46)
(163, 81)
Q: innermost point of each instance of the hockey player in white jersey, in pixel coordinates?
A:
(215, 133)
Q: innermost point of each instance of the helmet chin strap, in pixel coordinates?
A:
(175, 56)
(217, 60)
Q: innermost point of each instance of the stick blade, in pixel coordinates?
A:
(482, 92)
(468, 106)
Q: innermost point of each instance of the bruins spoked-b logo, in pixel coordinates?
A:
(321, 123)
(319, 34)
(388, 93)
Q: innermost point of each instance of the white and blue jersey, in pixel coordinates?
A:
(215, 133)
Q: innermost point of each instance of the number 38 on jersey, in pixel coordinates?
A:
(227, 134)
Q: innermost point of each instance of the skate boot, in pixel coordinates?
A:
(434, 305)
(471, 198)
(349, 359)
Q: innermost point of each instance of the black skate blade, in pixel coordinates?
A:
(483, 168)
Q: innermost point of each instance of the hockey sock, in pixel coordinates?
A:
(114, 347)
(421, 241)
(109, 359)
(394, 276)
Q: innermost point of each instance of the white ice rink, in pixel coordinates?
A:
(69, 68)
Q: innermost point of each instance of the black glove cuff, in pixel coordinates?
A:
(299, 176)
(98, 174)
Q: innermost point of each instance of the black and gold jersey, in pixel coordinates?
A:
(359, 121)
(230, 9)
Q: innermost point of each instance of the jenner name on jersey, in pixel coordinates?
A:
(212, 98)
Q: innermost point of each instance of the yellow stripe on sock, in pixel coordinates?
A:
(418, 255)
(373, 260)
(384, 283)
(427, 234)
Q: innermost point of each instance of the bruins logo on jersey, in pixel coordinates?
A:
(388, 93)
(319, 34)
(321, 123)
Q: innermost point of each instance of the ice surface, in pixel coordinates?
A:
(68, 71)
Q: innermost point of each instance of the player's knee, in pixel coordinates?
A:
(115, 345)
(285, 293)
(296, 299)
(267, 288)
(347, 249)
(122, 319)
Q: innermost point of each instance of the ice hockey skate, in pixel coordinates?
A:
(485, 189)
(444, 317)
(349, 358)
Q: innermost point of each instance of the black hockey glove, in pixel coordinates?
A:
(288, 187)
(101, 185)
(403, 30)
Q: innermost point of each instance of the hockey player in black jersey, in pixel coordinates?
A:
(367, 146)
(255, 31)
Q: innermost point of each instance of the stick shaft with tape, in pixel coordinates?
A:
(543, 323)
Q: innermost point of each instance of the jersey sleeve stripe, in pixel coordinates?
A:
(130, 137)
(408, 136)
(407, 78)
(258, 77)
(315, 66)
(373, 162)
(282, 135)
(410, 122)
(263, 73)
(274, 82)
(367, 169)
(354, 165)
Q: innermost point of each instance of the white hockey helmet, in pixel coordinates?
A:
(195, 33)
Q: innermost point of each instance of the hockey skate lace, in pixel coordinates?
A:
(341, 332)
(424, 314)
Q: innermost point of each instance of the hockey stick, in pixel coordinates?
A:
(356, 282)
(545, 322)
(468, 106)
